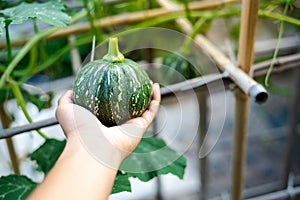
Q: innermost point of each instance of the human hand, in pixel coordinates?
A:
(108, 145)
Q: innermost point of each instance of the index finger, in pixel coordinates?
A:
(156, 92)
(66, 98)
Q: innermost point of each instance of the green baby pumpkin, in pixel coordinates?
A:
(114, 88)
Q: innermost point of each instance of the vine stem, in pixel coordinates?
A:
(280, 17)
(32, 60)
(21, 102)
(54, 57)
(175, 15)
(187, 10)
(22, 53)
(91, 19)
(41, 45)
(281, 28)
(8, 45)
(27, 47)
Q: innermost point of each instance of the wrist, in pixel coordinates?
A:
(80, 151)
(77, 175)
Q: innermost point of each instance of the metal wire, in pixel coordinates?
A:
(28, 127)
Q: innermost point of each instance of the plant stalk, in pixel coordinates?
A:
(54, 57)
(27, 47)
(281, 29)
(187, 10)
(32, 61)
(5, 121)
(41, 45)
(21, 102)
(8, 45)
(91, 19)
(280, 17)
(22, 53)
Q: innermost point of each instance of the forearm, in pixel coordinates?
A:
(76, 175)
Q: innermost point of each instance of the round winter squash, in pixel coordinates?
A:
(114, 88)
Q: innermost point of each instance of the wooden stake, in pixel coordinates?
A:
(239, 144)
(245, 61)
(247, 34)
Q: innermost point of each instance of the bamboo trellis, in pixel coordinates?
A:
(240, 76)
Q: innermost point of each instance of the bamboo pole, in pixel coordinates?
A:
(126, 18)
(245, 60)
(239, 144)
(247, 34)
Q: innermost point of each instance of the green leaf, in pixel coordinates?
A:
(152, 158)
(47, 154)
(15, 187)
(122, 183)
(39, 101)
(50, 12)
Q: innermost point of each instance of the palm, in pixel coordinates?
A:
(76, 120)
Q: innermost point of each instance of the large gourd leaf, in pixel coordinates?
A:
(47, 154)
(50, 12)
(15, 187)
(122, 183)
(152, 158)
(157, 159)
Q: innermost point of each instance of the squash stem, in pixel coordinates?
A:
(113, 55)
